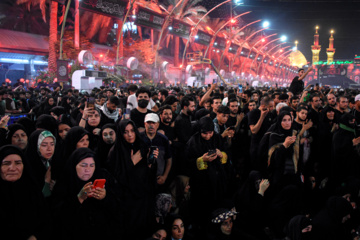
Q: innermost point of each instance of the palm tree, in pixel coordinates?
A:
(189, 12)
(52, 65)
(53, 27)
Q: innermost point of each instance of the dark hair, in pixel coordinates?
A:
(142, 90)
(294, 98)
(164, 92)
(162, 108)
(252, 101)
(114, 100)
(185, 101)
(301, 69)
(215, 97)
(232, 100)
(248, 93)
(170, 100)
(132, 88)
(180, 94)
(301, 107)
(231, 95)
(342, 96)
(223, 109)
(314, 95)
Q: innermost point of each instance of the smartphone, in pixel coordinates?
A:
(99, 183)
(152, 158)
(211, 152)
(240, 88)
(91, 102)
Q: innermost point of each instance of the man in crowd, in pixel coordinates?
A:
(166, 127)
(259, 122)
(109, 111)
(163, 93)
(297, 85)
(152, 138)
(215, 103)
(138, 114)
(222, 116)
(234, 110)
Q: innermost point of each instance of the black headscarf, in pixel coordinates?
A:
(23, 211)
(295, 227)
(74, 135)
(28, 124)
(12, 129)
(136, 182)
(45, 106)
(103, 148)
(78, 222)
(201, 113)
(58, 110)
(74, 182)
(279, 134)
(121, 165)
(47, 122)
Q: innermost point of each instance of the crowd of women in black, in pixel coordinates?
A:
(258, 164)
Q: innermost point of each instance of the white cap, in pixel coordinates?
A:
(357, 97)
(152, 117)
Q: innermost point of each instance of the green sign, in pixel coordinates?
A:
(111, 8)
(333, 63)
(148, 18)
(180, 29)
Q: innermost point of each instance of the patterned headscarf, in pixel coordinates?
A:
(42, 136)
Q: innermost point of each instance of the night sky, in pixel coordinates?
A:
(297, 20)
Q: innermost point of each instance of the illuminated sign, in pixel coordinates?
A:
(333, 63)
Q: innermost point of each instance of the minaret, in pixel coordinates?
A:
(316, 48)
(331, 50)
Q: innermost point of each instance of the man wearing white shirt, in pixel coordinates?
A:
(132, 102)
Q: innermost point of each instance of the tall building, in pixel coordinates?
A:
(316, 48)
(331, 50)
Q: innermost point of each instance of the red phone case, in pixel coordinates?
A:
(99, 183)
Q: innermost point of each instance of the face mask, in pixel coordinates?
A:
(142, 103)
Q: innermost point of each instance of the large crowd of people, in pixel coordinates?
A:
(180, 163)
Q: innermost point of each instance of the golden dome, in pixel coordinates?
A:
(297, 59)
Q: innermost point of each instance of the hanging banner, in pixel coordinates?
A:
(148, 18)
(203, 38)
(233, 48)
(180, 29)
(111, 8)
(220, 43)
(62, 72)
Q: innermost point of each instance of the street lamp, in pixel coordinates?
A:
(266, 24)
